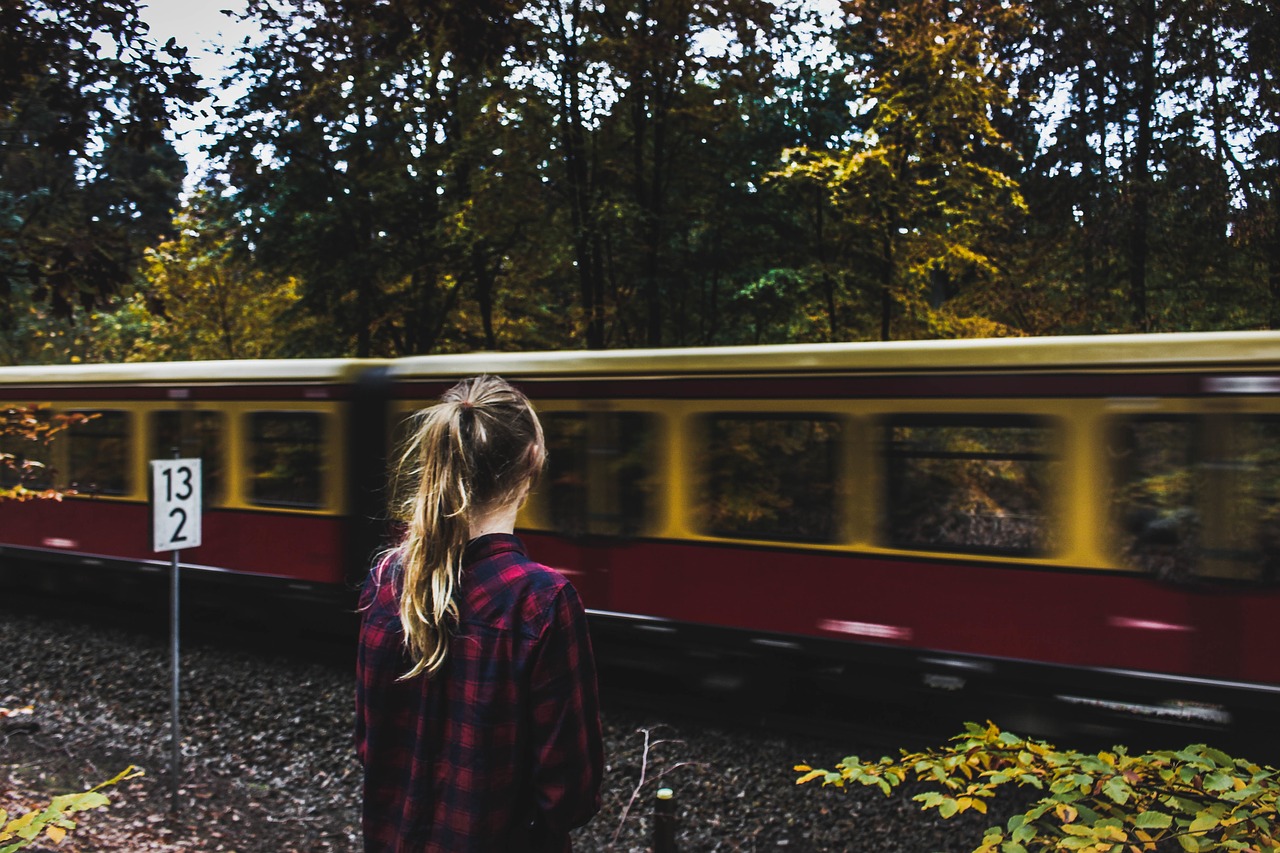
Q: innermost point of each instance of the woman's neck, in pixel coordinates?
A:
(497, 520)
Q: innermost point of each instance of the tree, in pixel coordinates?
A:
(114, 333)
(209, 302)
(677, 93)
(426, 169)
(1258, 116)
(923, 192)
(354, 150)
(445, 175)
(1137, 181)
(87, 177)
(572, 82)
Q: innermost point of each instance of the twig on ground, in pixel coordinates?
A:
(644, 776)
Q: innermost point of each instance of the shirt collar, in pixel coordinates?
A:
(490, 545)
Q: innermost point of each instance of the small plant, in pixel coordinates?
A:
(54, 819)
(650, 745)
(1194, 799)
(25, 433)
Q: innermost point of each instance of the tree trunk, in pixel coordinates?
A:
(1141, 180)
(484, 296)
(828, 283)
(886, 311)
(1273, 258)
(581, 208)
(653, 241)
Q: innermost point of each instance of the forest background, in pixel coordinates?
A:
(413, 176)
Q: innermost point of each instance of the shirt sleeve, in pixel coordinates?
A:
(369, 665)
(363, 674)
(567, 741)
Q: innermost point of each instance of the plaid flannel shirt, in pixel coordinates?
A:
(501, 749)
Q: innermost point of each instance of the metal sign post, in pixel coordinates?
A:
(175, 524)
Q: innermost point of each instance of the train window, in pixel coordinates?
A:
(969, 484)
(600, 472)
(1156, 477)
(1241, 532)
(1198, 498)
(564, 483)
(24, 462)
(771, 477)
(286, 459)
(1258, 478)
(98, 454)
(195, 434)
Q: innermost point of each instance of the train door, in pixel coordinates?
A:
(1196, 502)
(1236, 574)
(1156, 469)
(597, 495)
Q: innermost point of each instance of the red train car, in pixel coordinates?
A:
(281, 443)
(1094, 521)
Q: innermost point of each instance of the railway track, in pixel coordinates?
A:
(760, 701)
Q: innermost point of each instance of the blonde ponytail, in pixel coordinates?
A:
(478, 448)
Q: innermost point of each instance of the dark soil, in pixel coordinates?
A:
(269, 764)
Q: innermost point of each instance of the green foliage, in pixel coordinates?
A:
(209, 301)
(353, 156)
(54, 821)
(87, 176)
(1197, 798)
(120, 331)
(924, 193)
(1150, 200)
(571, 187)
(457, 175)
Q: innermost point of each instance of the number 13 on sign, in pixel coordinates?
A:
(175, 490)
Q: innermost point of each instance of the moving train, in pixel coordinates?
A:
(1093, 521)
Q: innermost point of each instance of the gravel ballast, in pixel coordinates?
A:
(269, 765)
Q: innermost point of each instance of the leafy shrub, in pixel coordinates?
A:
(1194, 799)
(54, 819)
(25, 434)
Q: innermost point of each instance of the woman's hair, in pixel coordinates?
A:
(475, 450)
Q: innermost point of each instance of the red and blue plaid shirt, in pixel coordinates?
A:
(501, 749)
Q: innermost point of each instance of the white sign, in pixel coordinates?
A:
(175, 504)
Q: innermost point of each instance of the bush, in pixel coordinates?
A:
(1195, 799)
(25, 434)
(54, 819)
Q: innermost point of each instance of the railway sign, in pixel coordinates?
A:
(175, 501)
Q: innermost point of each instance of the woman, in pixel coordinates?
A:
(476, 709)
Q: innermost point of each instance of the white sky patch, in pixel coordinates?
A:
(202, 28)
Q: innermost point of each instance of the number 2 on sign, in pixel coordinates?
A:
(180, 514)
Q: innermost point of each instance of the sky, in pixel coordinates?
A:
(200, 26)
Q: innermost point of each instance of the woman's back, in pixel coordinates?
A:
(500, 749)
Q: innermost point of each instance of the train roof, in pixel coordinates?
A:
(231, 371)
(1186, 350)
(1183, 350)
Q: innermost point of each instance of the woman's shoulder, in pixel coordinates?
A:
(528, 577)
(508, 581)
(546, 594)
(503, 558)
